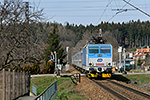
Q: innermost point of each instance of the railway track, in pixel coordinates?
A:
(121, 91)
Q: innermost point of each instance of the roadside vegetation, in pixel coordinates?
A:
(64, 87)
(139, 80)
(143, 81)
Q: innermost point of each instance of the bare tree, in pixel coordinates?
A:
(17, 42)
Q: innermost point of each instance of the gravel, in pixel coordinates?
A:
(93, 92)
(90, 89)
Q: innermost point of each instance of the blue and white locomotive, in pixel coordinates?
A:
(95, 59)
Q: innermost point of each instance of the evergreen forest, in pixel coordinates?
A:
(129, 35)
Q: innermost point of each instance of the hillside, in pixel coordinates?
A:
(128, 35)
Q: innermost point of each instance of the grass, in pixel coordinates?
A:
(132, 71)
(64, 86)
(42, 82)
(142, 80)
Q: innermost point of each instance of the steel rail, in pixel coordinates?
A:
(117, 94)
(132, 89)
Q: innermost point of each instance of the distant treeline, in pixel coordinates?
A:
(129, 35)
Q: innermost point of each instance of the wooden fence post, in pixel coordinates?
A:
(14, 90)
(9, 84)
(21, 83)
(15, 84)
(4, 84)
(24, 83)
(17, 81)
(29, 83)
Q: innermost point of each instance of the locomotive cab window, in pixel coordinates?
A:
(93, 49)
(105, 49)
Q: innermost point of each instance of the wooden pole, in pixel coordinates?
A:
(25, 82)
(14, 90)
(9, 85)
(4, 84)
(21, 86)
(17, 81)
(29, 83)
(24, 85)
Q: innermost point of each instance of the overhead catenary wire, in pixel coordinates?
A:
(77, 11)
(119, 11)
(109, 2)
(137, 8)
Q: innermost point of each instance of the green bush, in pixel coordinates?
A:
(19, 68)
(35, 68)
(27, 68)
(49, 68)
(44, 71)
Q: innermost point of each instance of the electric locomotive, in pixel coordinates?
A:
(95, 59)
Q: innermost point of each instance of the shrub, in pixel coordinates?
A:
(49, 68)
(27, 68)
(35, 68)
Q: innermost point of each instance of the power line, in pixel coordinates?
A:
(65, 9)
(119, 11)
(79, 1)
(88, 15)
(109, 2)
(137, 8)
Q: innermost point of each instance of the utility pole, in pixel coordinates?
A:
(120, 51)
(67, 65)
(124, 53)
(56, 67)
(67, 49)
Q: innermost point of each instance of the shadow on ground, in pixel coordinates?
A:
(120, 78)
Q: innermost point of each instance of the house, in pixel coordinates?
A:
(141, 53)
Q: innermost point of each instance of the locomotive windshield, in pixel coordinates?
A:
(105, 49)
(93, 49)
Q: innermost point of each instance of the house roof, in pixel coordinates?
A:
(141, 52)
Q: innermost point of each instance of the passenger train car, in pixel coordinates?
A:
(95, 59)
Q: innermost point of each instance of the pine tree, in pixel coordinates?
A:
(53, 45)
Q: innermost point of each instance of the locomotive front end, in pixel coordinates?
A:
(99, 60)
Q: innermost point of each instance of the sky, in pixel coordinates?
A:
(88, 12)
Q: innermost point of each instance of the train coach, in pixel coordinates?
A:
(95, 59)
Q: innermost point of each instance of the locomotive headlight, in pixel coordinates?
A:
(106, 64)
(92, 64)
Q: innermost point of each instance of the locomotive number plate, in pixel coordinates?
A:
(106, 75)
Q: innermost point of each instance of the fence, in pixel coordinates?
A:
(49, 93)
(34, 89)
(14, 84)
(77, 77)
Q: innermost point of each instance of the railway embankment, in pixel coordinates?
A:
(90, 89)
